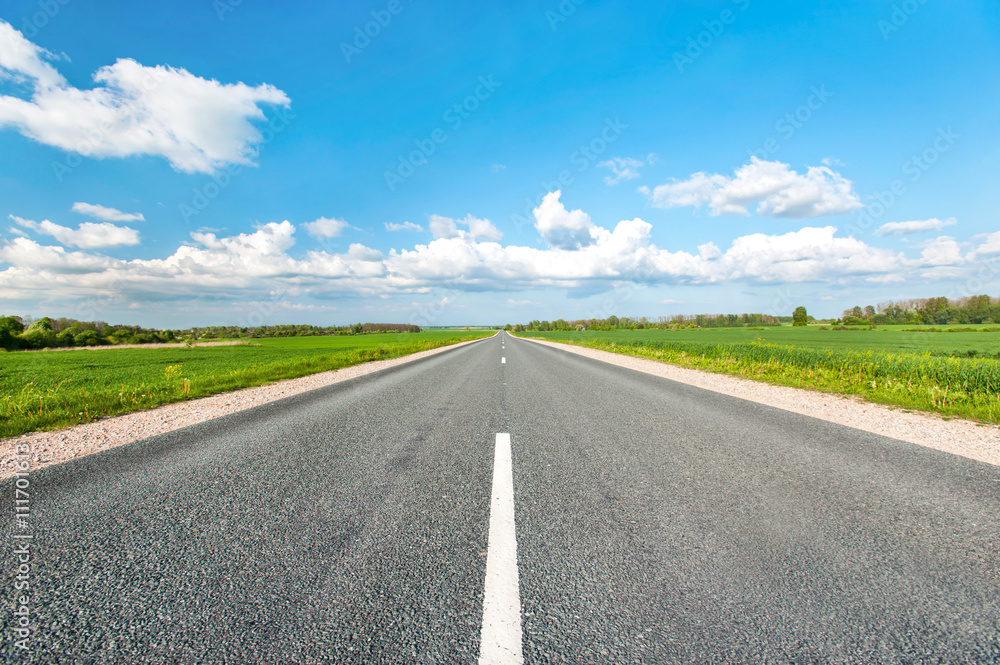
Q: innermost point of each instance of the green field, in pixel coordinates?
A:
(952, 373)
(985, 341)
(44, 390)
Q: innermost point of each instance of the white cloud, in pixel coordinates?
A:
(107, 214)
(942, 251)
(624, 168)
(325, 227)
(669, 301)
(497, 168)
(467, 257)
(443, 227)
(405, 226)
(562, 228)
(990, 244)
(904, 228)
(521, 303)
(87, 236)
(478, 229)
(198, 125)
(23, 61)
(24, 253)
(775, 189)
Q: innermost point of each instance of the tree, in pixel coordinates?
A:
(87, 338)
(39, 334)
(10, 330)
(799, 316)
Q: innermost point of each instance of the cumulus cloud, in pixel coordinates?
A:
(24, 253)
(623, 168)
(325, 227)
(23, 61)
(561, 228)
(774, 188)
(107, 214)
(405, 226)
(86, 236)
(465, 255)
(198, 125)
(478, 229)
(989, 245)
(942, 251)
(917, 226)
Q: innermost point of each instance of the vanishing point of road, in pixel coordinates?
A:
(509, 502)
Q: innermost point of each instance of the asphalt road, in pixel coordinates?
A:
(655, 522)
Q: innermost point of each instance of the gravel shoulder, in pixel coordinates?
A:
(48, 448)
(958, 437)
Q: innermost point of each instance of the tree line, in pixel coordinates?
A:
(678, 321)
(941, 310)
(18, 333)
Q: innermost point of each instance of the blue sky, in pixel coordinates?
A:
(230, 162)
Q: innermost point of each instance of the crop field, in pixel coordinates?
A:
(951, 373)
(44, 390)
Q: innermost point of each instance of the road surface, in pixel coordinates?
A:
(650, 522)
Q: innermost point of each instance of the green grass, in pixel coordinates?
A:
(47, 390)
(914, 370)
(884, 338)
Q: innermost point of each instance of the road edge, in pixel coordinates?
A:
(965, 438)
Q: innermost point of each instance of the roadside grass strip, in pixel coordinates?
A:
(47, 390)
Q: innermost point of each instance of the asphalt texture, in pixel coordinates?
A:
(656, 523)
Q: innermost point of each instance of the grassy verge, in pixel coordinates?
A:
(951, 386)
(50, 390)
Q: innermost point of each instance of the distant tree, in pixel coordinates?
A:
(10, 331)
(39, 334)
(87, 338)
(799, 316)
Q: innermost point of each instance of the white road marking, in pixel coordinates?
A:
(503, 360)
(500, 643)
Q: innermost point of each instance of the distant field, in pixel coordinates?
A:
(48, 389)
(952, 373)
(884, 338)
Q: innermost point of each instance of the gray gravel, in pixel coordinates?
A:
(656, 522)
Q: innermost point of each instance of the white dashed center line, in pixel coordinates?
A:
(500, 643)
